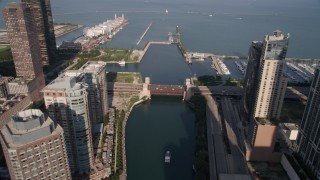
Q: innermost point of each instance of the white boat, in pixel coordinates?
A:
(167, 11)
(210, 15)
(167, 157)
(122, 63)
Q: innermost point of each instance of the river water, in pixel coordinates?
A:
(164, 123)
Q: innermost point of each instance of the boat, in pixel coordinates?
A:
(167, 11)
(122, 63)
(210, 15)
(167, 157)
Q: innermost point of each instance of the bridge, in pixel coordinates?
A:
(176, 90)
(155, 89)
(180, 90)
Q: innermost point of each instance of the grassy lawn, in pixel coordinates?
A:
(292, 111)
(132, 77)
(116, 55)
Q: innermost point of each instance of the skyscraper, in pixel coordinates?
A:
(22, 34)
(23, 39)
(309, 129)
(34, 147)
(67, 103)
(264, 86)
(45, 29)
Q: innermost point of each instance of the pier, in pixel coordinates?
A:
(144, 33)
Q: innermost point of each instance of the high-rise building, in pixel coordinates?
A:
(93, 73)
(23, 39)
(45, 29)
(265, 83)
(309, 129)
(264, 86)
(22, 33)
(67, 103)
(34, 147)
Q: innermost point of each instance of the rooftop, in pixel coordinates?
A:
(93, 66)
(28, 126)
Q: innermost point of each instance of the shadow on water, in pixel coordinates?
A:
(182, 153)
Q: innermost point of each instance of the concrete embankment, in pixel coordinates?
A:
(146, 47)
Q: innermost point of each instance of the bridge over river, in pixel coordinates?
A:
(181, 90)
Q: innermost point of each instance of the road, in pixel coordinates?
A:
(236, 160)
(217, 154)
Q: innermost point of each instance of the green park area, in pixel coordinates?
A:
(124, 77)
(107, 55)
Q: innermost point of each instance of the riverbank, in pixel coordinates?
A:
(124, 103)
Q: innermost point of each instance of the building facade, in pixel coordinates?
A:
(309, 130)
(34, 147)
(23, 39)
(45, 29)
(67, 103)
(264, 90)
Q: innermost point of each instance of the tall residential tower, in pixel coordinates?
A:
(34, 147)
(67, 103)
(309, 129)
(264, 86)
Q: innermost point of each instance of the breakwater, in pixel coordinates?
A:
(144, 33)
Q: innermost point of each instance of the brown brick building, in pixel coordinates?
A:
(34, 147)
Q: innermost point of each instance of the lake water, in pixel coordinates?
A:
(230, 29)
